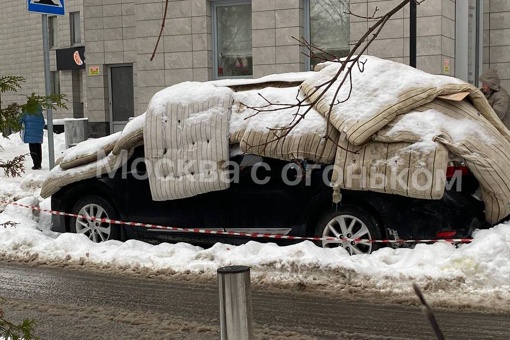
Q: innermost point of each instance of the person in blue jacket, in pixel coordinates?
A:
(32, 133)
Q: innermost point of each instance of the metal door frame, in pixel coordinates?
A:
(462, 40)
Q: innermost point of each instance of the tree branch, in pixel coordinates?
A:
(428, 312)
(347, 63)
(14, 167)
(160, 31)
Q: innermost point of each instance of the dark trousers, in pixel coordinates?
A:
(36, 153)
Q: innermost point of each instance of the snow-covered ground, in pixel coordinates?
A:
(470, 275)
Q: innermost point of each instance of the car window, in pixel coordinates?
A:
(250, 160)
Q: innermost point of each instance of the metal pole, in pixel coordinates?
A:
(479, 41)
(412, 33)
(235, 303)
(46, 54)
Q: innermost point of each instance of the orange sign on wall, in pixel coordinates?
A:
(93, 70)
(446, 66)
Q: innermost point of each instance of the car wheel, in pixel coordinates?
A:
(93, 208)
(351, 222)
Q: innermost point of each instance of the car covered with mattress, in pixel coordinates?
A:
(399, 155)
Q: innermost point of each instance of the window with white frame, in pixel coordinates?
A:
(232, 39)
(74, 21)
(52, 31)
(55, 82)
(328, 29)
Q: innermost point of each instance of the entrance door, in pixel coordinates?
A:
(122, 104)
(77, 93)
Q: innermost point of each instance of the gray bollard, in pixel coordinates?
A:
(235, 303)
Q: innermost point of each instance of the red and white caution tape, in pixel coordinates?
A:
(233, 233)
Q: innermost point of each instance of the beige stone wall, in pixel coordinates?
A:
(19, 56)
(21, 50)
(185, 51)
(274, 24)
(127, 33)
(110, 35)
(496, 51)
(435, 32)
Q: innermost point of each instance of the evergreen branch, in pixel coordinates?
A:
(10, 83)
(14, 167)
(12, 331)
(34, 102)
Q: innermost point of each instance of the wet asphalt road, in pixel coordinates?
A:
(78, 304)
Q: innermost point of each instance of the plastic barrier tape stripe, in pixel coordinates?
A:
(234, 233)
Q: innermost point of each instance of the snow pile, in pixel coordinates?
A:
(462, 275)
(12, 189)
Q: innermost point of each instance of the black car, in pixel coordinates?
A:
(278, 198)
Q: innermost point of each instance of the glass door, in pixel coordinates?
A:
(121, 93)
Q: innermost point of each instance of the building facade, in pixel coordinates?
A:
(127, 61)
(21, 53)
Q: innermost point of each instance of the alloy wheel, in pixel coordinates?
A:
(347, 229)
(89, 223)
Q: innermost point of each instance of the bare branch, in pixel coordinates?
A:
(8, 224)
(311, 48)
(363, 16)
(345, 72)
(160, 31)
(428, 312)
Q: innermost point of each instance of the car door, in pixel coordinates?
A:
(265, 196)
(201, 211)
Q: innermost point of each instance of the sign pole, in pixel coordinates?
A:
(46, 54)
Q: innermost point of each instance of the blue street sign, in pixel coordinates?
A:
(46, 6)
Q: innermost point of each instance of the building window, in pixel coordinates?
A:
(232, 45)
(328, 28)
(74, 20)
(53, 29)
(55, 82)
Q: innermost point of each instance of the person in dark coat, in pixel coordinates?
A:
(32, 133)
(496, 96)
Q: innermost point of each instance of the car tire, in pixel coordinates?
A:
(352, 222)
(96, 231)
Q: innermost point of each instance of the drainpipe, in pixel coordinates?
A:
(412, 33)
